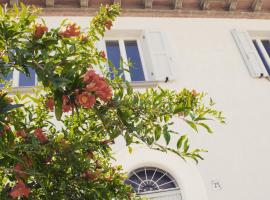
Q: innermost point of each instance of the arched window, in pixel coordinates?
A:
(150, 179)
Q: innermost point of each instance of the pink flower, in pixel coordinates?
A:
(86, 100)
(40, 135)
(19, 190)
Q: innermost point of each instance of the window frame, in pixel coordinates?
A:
(121, 41)
(16, 80)
(262, 49)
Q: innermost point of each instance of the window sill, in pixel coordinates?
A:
(144, 84)
(22, 89)
(134, 84)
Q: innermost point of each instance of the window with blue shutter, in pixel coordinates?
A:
(7, 78)
(262, 47)
(262, 56)
(27, 80)
(133, 55)
(146, 55)
(127, 50)
(114, 56)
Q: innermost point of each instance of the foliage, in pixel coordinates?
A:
(70, 159)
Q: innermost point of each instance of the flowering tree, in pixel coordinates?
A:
(39, 160)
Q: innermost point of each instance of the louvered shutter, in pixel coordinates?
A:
(249, 54)
(156, 56)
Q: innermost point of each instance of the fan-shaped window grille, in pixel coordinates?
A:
(150, 179)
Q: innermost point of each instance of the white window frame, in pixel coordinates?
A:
(123, 54)
(262, 48)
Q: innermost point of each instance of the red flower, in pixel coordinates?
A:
(106, 142)
(105, 94)
(6, 128)
(21, 133)
(86, 100)
(90, 154)
(98, 85)
(66, 107)
(102, 54)
(40, 29)
(71, 30)
(194, 93)
(40, 135)
(50, 103)
(108, 24)
(89, 76)
(18, 170)
(19, 190)
(89, 175)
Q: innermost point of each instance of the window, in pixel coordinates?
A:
(147, 51)
(129, 51)
(255, 52)
(149, 179)
(263, 48)
(27, 81)
(21, 80)
(7, 78)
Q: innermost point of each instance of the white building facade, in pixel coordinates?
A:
(205, 54)
(227, 58)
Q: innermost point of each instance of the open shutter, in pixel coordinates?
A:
(156, 56)
(249, 54)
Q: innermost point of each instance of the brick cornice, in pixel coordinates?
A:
(159, 13)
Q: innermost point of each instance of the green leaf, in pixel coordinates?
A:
(58, 108)
(209, 130)
(167, 136)
(186, 146)
(157, 132)
(130, 149)
(10, 107)
(192, 125)
(180, 141)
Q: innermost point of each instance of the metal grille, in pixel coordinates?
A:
(149, 179)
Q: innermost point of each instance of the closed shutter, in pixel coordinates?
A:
(249, 54)
(156, 56)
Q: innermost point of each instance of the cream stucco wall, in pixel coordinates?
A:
(207, 59)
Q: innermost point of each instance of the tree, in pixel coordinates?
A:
(40, 160)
